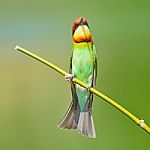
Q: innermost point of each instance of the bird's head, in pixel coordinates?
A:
(81, 31)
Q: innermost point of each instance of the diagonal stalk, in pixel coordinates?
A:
(139, 122)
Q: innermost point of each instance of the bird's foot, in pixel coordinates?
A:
(141, 123)
(69, 77)
(89, 87)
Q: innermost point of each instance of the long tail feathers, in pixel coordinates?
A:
(86, 124)
(81, 121)
(70, 120)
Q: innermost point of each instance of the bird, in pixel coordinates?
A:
(83, 65)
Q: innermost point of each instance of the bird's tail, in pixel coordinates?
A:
(86, 124)
(81, 121)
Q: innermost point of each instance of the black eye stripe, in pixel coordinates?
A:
(76, 26)
(85, 23)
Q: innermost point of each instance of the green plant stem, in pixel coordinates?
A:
(93, 90)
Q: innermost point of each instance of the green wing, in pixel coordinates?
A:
(95, 66)
(70, 67)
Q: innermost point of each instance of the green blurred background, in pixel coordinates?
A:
(33, 98)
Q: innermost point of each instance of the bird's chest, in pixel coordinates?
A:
(82, 64)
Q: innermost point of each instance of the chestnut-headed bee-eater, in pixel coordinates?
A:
(83, 65)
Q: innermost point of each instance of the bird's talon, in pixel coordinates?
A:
(89, 87)
(69, 77)
(142, 123)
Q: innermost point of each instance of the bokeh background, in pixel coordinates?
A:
(33, 98)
